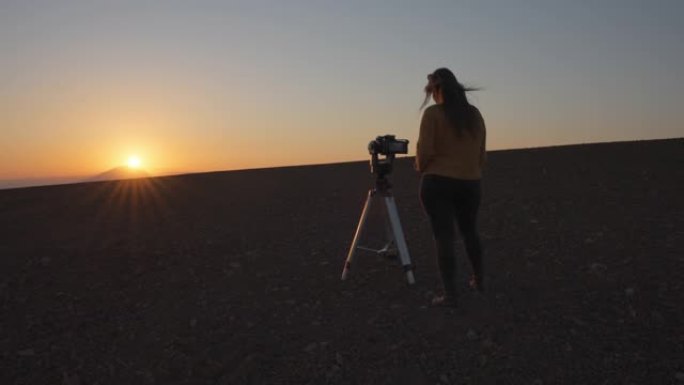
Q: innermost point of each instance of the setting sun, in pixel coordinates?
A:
(134, 162)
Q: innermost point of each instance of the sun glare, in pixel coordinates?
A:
(134, 162)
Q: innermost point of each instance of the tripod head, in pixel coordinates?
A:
(388, 146)
(381, 167)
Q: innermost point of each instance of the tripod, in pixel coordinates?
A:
(395, 234)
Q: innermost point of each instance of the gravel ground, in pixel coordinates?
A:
(233, 277)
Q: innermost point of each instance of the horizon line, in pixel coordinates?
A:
(66, 180)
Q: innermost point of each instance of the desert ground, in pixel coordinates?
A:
(234, 277)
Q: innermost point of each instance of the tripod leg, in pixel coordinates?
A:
(357, 235)
(390, 248)
(399, 238)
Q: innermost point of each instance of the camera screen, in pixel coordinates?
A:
(398, 147)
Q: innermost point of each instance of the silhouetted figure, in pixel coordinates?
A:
(450, 156)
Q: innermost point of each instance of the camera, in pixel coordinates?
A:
(388, 146)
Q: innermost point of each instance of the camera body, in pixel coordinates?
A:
(388, 146)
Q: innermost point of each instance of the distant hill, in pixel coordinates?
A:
(122, 172)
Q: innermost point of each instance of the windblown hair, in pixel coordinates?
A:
(458, 110)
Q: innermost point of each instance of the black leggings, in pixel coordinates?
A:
(445, 199)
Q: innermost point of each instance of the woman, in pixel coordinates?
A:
(450, 156)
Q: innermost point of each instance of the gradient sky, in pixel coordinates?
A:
(219, 85)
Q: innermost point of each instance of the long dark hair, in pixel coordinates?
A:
(458, 110)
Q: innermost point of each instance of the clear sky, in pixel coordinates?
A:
(219, 85)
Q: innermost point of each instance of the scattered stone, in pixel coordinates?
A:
(235, 265)
(578, 322)
(68, 379)
(657, 317)
(598, 268)
(339, 359)
(332, 372)
(632, 311)
(629, 291)
(471, 335)
(444, 379)
(193, 323)
(680, 376)
(311, 347)
(45, 261)
(488, 344)
(27, 352)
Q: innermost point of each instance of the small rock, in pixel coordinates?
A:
(657, 317)
(488, 344)
(311, 347)
(193, 323)
(45, 261)
(332, 372)
(444, 378)
(598, 267)
(680, 376)
(632, 311)
(27, 352)
(68, 379)
(471, 335)
(234, 265)
(629, 291)
(339, 359)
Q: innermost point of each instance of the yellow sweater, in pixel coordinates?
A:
(440, 151)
